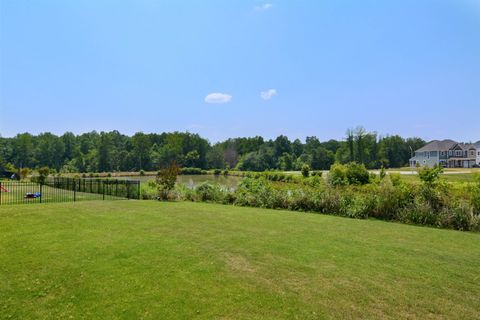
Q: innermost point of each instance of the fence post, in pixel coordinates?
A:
(1, 192)
(74, 190)
(103, 189)
(41, 191)
(138, 191)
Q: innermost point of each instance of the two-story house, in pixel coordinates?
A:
(446, 153)
(477, 147)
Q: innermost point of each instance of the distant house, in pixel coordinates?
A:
(448, 154)
(477, 147)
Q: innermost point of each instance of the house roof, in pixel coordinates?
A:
(437, 145)
(477, 144)
(466, 146)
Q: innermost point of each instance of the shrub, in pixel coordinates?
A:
(317, 173)
(213, 192)
(23, 173)
(305, 170)
(361, 206)
(43, 173)
(391, 199)
(461, 217)
(474, 192)
(357, 173)
(430, 176)
(338, 174)
(142, 173)
(217, 172)
(254, 192)
(383, 173)
(191, 171)
(205, 192)
(166, 179)
(419, 213)
(148, 191)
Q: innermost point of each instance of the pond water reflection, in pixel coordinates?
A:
(191, 181)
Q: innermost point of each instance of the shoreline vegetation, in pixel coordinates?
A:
(348, 191)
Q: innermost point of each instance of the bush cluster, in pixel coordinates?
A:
(350, 174)
(193, 171)
(386, 199)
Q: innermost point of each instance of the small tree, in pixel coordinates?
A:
(383, 173)
(433, 190)
(166, 179)
(305, 170)
(430, 176)
(23, 172)
(43, 174)
(338, 174)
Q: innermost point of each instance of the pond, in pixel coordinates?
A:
(229, 182)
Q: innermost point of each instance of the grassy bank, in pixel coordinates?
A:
(151, 260)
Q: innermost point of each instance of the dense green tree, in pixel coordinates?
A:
(104, 153)
(141, 148)
(297, 148)
(113, 151)
(23, 151)
(281, 145)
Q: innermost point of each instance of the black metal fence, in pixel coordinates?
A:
(60, 189)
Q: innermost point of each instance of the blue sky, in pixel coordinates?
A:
(409, 67)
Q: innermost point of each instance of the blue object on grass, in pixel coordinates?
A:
(30, 195)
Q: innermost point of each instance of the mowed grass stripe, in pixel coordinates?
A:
(146, 259)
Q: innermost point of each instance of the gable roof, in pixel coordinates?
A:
(466, 146)
(438, 145)
(477, 144)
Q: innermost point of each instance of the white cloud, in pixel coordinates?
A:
(264, 7)
(217, 97)
(269, 94)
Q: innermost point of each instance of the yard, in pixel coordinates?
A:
(181, 260)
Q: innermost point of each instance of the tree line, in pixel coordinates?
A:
(113, 151)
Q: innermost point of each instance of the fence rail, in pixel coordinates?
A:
(60, 189)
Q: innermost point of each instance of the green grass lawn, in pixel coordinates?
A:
(151, 260)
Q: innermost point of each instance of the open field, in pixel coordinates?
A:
(151, 260)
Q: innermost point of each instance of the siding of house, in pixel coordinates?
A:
(426, 158)
(477, 146)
